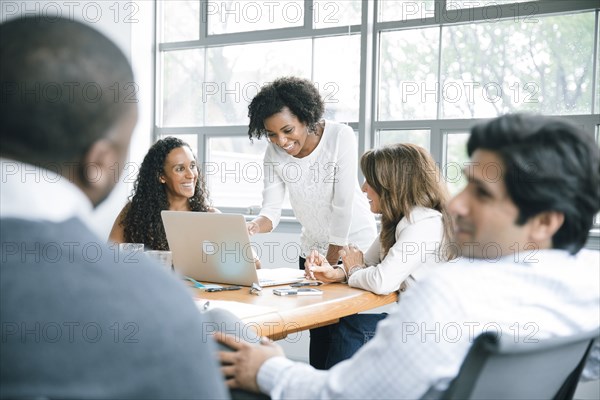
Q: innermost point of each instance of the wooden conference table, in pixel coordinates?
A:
(278, 316)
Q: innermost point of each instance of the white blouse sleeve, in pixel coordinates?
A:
(273, 190)
(346, 179)
(415, 244)
(372, 255)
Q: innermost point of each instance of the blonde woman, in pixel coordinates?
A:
(404, 185)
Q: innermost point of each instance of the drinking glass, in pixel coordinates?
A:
(163, 257)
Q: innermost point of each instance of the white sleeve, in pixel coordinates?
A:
(346, 179)
(373, 253)
(273, 189)
(410, 251)
(399, 362)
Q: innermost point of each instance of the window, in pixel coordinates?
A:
(465, 4)
(180, 20)
(408, 74)
(402, 10)
(181, 88)
(542, 65)
(415, 136)
(597, 218)
(234, 170)
(396, 71)
(232, 16)
(455, 159)
(327, 13)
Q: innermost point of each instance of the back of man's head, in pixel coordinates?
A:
(550, 165)
(64, 86)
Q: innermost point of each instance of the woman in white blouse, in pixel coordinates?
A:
(315, 161)
(404, 185)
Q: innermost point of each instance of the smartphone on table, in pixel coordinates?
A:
(298, 292)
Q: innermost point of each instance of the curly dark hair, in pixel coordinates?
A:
(299, 95)
(142, 221)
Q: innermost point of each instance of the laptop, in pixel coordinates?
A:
(213, 247)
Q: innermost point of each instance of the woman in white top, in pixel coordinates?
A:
(404, 185)
(315, 160)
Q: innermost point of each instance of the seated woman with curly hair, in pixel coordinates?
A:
(169, 179)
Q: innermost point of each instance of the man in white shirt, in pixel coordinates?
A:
(533, 190)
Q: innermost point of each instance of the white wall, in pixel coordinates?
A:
(134, 34)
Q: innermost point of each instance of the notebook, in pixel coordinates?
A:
(213, 247)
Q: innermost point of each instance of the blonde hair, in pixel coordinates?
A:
(405, 176)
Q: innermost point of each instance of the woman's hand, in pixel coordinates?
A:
(313, 259)
(259, 224)
(318, 268)
(352, 256)
(333, 254)
(253, 228)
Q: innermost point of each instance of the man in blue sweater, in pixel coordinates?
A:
(78, 320)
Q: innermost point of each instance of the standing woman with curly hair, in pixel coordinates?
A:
(169, 179)
(316, 162)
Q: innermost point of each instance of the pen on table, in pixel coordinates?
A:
(300, 284)
(220, 289)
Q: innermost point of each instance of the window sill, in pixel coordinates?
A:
(291, 225)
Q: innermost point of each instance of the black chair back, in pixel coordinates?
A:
(499, 368)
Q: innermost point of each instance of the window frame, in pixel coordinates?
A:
(369, 30)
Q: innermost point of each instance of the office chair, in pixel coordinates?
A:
(499, 368)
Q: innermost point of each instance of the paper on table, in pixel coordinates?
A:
(240, 310)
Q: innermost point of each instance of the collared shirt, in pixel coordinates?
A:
(424, 341)
(33, 193)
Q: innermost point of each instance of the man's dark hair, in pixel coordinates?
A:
(299, 95)
(550, 165)
(63, 86)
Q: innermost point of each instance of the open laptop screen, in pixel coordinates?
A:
(214, 247)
